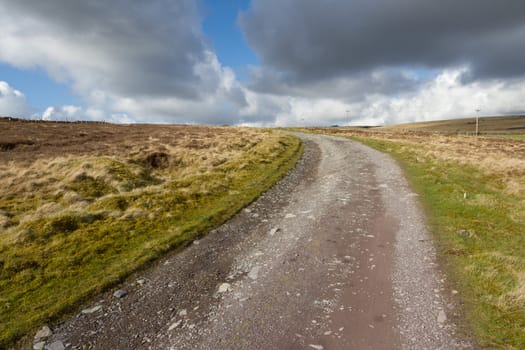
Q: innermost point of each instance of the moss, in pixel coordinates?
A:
(44, 228)
(90, 188)
(128, 179)
(115, 202)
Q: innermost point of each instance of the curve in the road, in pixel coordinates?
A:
(335, 256)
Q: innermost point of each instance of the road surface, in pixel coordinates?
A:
(335, 256)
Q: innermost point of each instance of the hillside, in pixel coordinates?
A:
(487, 125)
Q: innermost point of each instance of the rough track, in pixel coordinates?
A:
(335, 256)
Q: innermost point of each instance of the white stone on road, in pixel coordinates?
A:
(254, 273)
(442, 317)
(174, 325)
(316, 347)
(224, 288)
(92, 310)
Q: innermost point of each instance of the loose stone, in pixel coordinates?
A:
(223, 288)
(43, 334)
(442, 317)
(175, 325)
(317, 347)
(92, 310)
(39, 345)
(121, 293)
(254, 273)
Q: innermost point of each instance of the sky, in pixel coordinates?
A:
(261, 62)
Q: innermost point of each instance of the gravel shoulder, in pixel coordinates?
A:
(335, 256)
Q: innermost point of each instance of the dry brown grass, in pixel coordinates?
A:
(148, 155)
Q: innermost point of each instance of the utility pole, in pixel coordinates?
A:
(477, 121)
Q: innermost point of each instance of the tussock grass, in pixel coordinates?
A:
(481, 238)
(73, 225)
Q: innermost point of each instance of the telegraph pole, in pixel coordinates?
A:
(477, 121)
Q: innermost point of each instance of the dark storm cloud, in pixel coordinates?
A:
(309, 40)
(346, 88)
(131, 47)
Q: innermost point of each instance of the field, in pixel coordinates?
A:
(83, 205)
(473, 190)
(502, 126)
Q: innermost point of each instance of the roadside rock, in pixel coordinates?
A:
(39, 345)
(43, 334)
(121, 293)
(92, 310)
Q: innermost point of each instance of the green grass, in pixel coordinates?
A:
(59, 261)
(480, 241)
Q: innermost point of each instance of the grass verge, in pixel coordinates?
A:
(480, 240)
(114, 217)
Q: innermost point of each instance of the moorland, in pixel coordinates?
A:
(83, 205)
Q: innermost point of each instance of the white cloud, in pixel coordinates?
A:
(445, 96)
(63, 113)
(76, 113)
(13, 102)
(145, 59)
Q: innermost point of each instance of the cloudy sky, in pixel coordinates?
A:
(261, 62)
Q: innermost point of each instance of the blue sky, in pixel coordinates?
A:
(309, 61)
(40, 90)
(220, 25)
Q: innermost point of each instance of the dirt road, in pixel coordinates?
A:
(336, 256)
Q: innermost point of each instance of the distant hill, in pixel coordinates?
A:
(487, 125)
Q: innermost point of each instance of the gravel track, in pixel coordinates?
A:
(335, 256)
